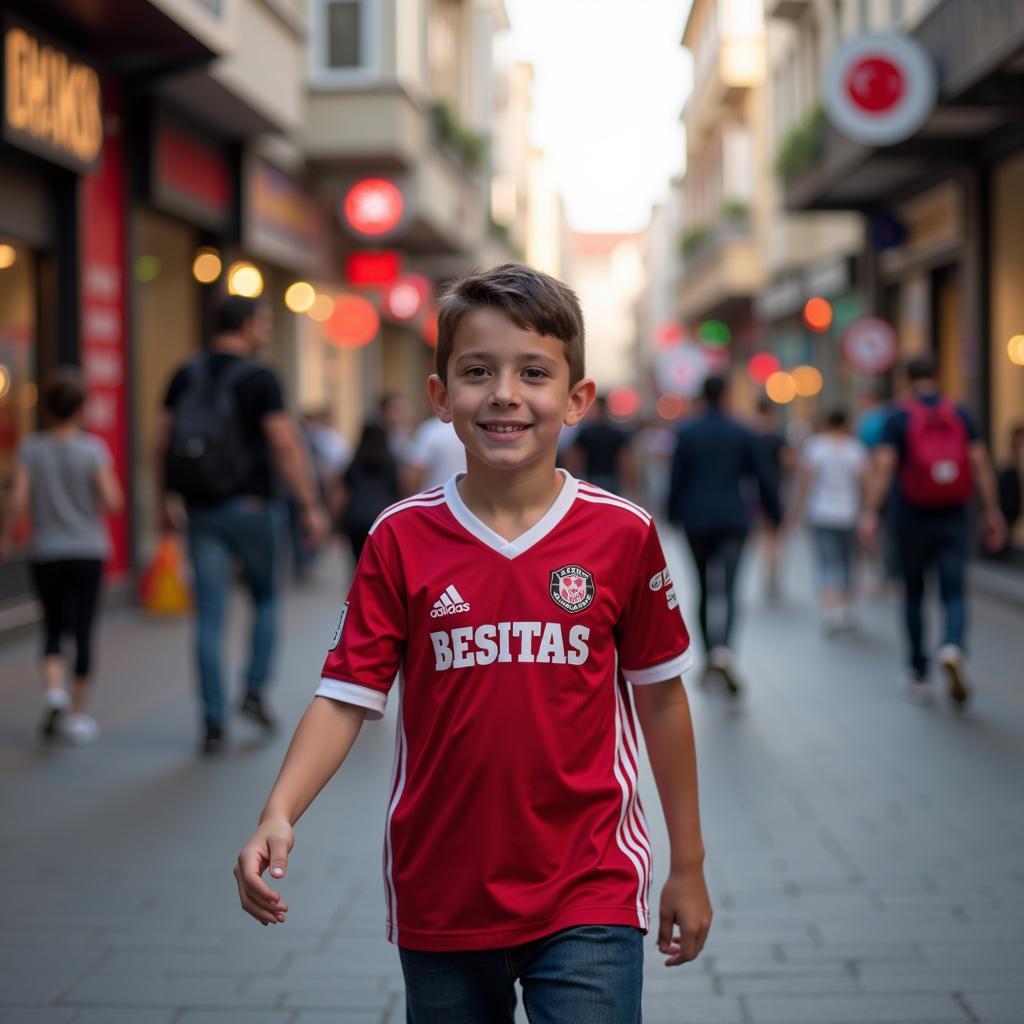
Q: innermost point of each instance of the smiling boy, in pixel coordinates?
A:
(519, 608)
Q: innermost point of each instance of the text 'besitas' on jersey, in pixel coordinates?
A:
(514, 809)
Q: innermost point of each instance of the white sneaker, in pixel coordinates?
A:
(720, 660)
(916, 688)
(55, 703)
(81, 730)
(951, 658)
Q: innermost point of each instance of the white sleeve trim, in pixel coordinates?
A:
(659, 673)
(353, 693)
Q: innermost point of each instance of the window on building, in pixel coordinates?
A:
(896, 10)
(343, 34)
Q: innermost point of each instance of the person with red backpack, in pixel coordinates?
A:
(932, 447)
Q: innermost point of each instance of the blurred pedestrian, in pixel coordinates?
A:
(601, 453)
(1010, 481)
(329, 454)
(831, 479)
(653, 445)
(66, 482)
(776, 460)
(393, 412)
(222, 433)
(870, 428)
(933, 448)
(714, 455)
(369, 485)
(435, 456)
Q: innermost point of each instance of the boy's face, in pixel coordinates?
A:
(508, 392)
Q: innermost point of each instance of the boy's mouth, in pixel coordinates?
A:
(505, 428)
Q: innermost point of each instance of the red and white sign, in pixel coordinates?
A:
(373, 206)
(870, 345)
(880, 88)
(104, 336)
(681, 370)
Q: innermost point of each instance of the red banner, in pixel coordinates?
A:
(103, 307)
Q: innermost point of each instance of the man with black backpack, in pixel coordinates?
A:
(933, 448)
(222, 434)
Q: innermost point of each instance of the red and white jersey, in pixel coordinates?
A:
(514, 809)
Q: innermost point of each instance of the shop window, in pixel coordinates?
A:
(19, 299)
(344, 35)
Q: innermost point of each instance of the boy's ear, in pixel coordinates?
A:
(581, 398)
(438, 395)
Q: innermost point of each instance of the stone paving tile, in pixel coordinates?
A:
(136, 1015)
(693, 1010)
(988, 1005)
(37, 1015)
(35, 985)
(352, 992)
(346, 1017)
(234, 1017)
(787, 983)
(158, 991)
(833, 1009)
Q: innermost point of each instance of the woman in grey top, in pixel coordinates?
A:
(66, 482)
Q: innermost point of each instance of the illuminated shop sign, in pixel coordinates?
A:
(52, 101)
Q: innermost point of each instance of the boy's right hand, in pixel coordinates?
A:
(268, 848)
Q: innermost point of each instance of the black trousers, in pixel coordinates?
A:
(717, 557)
(69, 591)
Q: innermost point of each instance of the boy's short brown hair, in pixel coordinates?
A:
(533, 301)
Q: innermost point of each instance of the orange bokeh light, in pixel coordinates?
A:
(670, 407)
(353, 323)
(623, 403)
(818, 314)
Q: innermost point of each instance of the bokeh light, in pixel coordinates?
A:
(5, 380)
(1015, 349)
(354, 322)
(374, 206)
(206, 267)
(429, 328)
(714, 332)
(762, 365)
(670, 407)
(147, 269)
(669, 333)
(623, 402)
(321, 309)
(245, 279)
(8, 256)
(780, 387)
(818, 314)
(300, 296)
(807, 380)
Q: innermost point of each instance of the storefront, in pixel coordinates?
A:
(188, 187)
(61, 256)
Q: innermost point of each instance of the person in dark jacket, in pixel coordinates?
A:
(714, 455)
(370, 484)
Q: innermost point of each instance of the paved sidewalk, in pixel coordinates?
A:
(864, 853)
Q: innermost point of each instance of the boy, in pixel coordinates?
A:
(514, 603)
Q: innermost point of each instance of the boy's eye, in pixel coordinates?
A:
(476, 371)
(534, 373)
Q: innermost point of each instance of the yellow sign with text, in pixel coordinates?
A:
(52, 101)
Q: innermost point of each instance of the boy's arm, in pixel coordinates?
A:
(664, 714)
(321, 743)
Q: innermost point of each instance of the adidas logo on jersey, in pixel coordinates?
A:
(450, 602)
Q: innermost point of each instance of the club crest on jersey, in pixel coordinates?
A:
(572, 588)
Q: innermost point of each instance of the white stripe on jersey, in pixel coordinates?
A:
(622, 838)
(600, 499)
(630, 765)
(403, 506)
(602, 493)
(454, 594)
(398, 786)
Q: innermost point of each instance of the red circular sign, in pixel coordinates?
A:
(374, 206)
(870, 345)
(875, 84)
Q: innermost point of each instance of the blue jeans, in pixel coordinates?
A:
(592, 974)
(837, 549)
(251, 531)
(934, 539)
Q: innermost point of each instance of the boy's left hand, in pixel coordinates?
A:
(685, 916)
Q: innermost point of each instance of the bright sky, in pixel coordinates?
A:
(609, 83)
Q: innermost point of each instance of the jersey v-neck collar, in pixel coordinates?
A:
(536, 533)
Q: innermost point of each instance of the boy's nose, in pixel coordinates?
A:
(505, 391)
